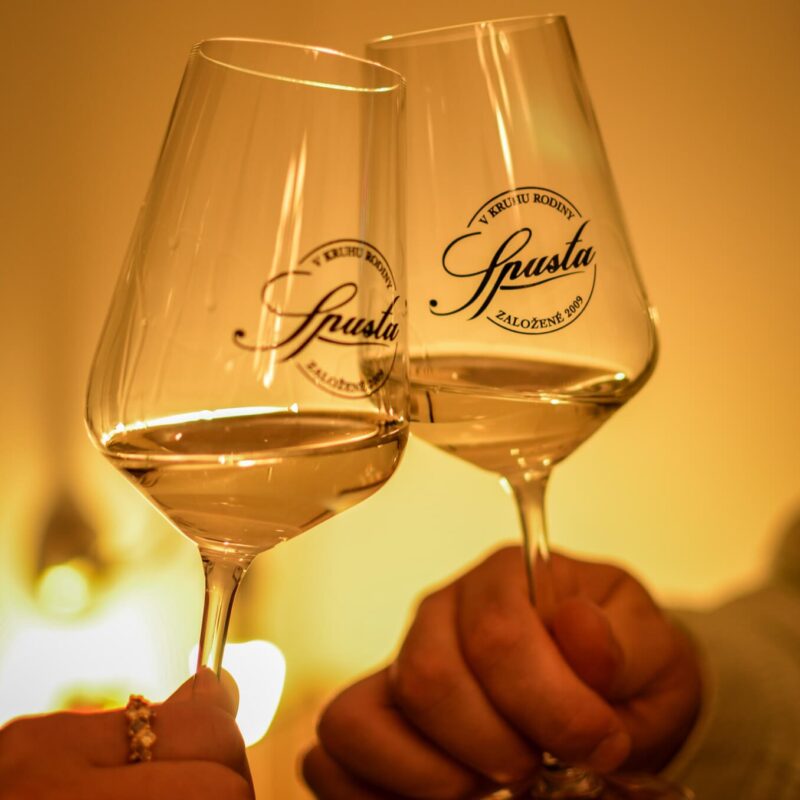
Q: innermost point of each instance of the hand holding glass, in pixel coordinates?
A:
(529, 323)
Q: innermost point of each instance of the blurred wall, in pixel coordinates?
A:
(689, 486)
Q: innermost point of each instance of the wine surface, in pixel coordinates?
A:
(511, 416)
(245, 483)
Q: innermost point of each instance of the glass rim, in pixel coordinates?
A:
(399, 38)
(397, 80)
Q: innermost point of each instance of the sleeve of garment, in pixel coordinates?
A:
(746, 743)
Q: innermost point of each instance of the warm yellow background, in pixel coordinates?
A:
(689, 486)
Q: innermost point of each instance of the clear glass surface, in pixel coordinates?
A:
(529, 323)
(251, 378)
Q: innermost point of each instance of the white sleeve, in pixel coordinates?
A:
(746, 742)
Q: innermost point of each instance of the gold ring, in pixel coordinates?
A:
(140, 735)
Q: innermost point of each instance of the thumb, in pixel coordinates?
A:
(586, 640)
(206, 687)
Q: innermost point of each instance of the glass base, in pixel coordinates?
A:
(641, 786)
(574, 784)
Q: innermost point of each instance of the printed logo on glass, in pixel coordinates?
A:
(336, 315)
(525, 263)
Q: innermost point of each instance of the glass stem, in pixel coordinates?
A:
(223, 576)
(555, 779)
(529, 490)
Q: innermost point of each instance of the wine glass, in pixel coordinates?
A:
(529, 323)
(251, 379)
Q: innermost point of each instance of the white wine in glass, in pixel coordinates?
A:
(529, 323)
(251, 379)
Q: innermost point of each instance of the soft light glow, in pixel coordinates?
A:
(259, 669)
(63, 590)
(51, 665)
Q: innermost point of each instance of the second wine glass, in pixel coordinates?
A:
(251, 376)
(529, 322)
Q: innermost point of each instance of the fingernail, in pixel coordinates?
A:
(208, 687)
(231, 690)
(513, 774)
(504, 778)
(611, 752)
(204, 680)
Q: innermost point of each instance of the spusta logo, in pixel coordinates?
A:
(336, 316)
(525, 263)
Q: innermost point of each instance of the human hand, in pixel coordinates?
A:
(480, 688)
(199, 752)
